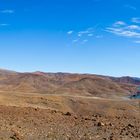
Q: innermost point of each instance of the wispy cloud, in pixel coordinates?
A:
(125, 30)
(133, 27)
(137, 41)
(119, 23)
(130, 7)
(87, 32)
(84, 41)
(135, 20)
(7, 11)
(83, 36)
(99, 36)
(90, 35)
(70, 32)
(125, 33)
(4, 24)
(75, 40)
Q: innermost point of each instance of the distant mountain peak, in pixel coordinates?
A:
(38, 72)
(5, 71)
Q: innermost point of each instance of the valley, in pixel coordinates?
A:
(42, 106)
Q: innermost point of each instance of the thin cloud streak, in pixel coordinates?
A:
(130, 7)
(88, 32)
(70, 32)
(84, 36)
(119, 23)
(7, 11)
(125, 30)
(135, 20)
(137, 41)
(4, 24)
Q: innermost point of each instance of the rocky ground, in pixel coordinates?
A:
(40, 124)
(64, 106)
(68, 118)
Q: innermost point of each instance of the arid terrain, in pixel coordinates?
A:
(62, 106)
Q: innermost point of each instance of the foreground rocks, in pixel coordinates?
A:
(18, 123)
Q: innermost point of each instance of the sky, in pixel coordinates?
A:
(76, 36)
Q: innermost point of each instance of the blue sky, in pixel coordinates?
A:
(78, 36)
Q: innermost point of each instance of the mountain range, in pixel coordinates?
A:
(66, 83)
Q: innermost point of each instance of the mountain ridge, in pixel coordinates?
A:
(67, 83)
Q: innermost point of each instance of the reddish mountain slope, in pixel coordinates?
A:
(64, 83)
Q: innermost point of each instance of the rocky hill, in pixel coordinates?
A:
(62, 106)
(66, 83)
